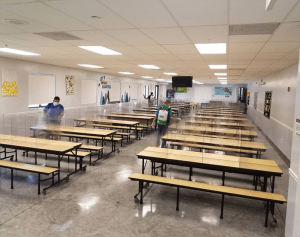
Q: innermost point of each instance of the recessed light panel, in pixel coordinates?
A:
(221, 74)
(149, 66)
(211, 48)
(170, 73)
(100, 50)
(160, 79)
(129, 73)
(217, 66)
(146, 77)
(89, 66)
(220, 78)
(19, 52)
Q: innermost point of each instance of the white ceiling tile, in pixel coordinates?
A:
(294, 15)
(167, 35)
(15, 1)
(292, 56)
(39, 39)
(198, 12)
(97, 37)
(165, 57)
(131, 36)
(287, 32)
(44, 14)
(207, 34)
(189, 57)
(217, 57)
(84, 10)
(281, 47)
(152, 49)
(126, 49)
(238, 66)
(249, 12)
(9, 29)
(142, 14)
(241, 56)
(29, 26)
(244, 47)
(238, 62)
(197, 64)
(261, 63)
(179, 64)
(142, 57)
(181, 49)
(283, 64)
(248, 38)
(11, 40)
(267, 56)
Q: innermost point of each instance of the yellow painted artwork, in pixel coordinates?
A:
(9, 85)
(9, 88)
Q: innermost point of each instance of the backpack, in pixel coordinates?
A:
(163, 117)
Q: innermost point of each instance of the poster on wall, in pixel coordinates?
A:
(9, 85)
(223, 90)
(69, 85)
(181, 89)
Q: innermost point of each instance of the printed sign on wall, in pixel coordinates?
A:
(9, 85)
(69, 85)
(223, 90)
(181, 89)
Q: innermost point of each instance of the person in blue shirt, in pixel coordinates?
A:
(54, 111)
(162, 119)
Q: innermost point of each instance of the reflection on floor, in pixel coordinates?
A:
(99, 202)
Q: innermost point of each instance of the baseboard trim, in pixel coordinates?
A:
(284, 158)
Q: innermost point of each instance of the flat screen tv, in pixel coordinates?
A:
(182, 81)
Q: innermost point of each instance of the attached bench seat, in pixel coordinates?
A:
(91, 148)
(215, 148)
(218, 136)
(224, 190)
(29, 168)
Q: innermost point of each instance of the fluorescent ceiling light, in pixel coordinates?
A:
(221, 74)
(149, 66)
(100, 50)
(146, 77)
(16, 51)
(170, 73)
(222, 78)
(126, 73)
(160, 79)
(217, 66)
(169, 81)
(89, 65)
(211, 48)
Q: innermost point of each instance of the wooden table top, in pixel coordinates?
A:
(107, 121)
(129, 116)
(258, 146)
(36, 143)
(151, 110)
(268, 166)
(217, 130)
(134, 114)
(219, 118)
(217, 123)
(221, 115)
(76, 130)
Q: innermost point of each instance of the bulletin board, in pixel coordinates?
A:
(9, 85)
(223, 90)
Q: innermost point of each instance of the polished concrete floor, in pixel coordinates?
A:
(99, 202)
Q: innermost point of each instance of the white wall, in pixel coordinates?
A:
(205, 94)
(279, 128)
(20, 102)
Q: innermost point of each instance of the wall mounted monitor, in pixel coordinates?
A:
(182, 81)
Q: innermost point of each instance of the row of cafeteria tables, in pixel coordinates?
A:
(225, 163)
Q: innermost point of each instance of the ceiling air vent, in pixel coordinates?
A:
(253, 29)
(60, 35)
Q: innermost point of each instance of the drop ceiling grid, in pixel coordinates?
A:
(171, 53)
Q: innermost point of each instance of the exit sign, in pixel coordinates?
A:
(270, 4)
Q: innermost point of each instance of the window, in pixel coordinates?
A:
(147, 90)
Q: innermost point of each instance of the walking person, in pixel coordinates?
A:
(54, 111)
(162, 119)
